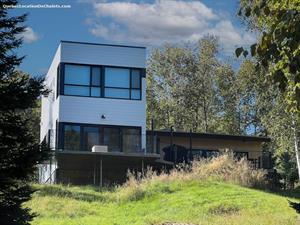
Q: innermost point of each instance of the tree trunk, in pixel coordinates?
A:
(296, 142)
(205, 116)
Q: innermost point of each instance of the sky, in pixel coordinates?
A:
(142, 23)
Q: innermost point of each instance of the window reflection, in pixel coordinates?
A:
(112, 139)
(72, 137)
(91, 137)
(131, 140)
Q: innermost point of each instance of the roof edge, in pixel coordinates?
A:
(212, 136)
(102, 44)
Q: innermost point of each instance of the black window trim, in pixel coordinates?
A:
(61, 126)
(102, 86)
(122, 88)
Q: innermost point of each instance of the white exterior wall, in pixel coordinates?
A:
(117, 111)
(49, 111)
(88, 109)
(103, 55)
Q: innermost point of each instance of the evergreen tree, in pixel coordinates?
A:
(20, 151)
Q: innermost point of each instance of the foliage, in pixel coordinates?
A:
(265, 110)
(278, 48)
(35, 118)
(283, 140)
(19, 148)
(278, 52)
(235, 102)
(287, 168)
(228, 104)
(189, 88)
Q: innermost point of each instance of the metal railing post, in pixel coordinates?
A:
(101, 181)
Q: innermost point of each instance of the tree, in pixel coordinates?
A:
(165, 71)
(181, 89)
(278, 51)
(279, 124)
(286, 165)
(266, 113)
(278, 47)
(200, 91)
(20, 151)
(35, 118)
(228, 95)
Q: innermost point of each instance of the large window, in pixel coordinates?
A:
(86, 80)
(77, 80)
(122, 83)
(91, 137)
(117, 138)
(82, 80)
(112, 139)
(72, 137)
(131, 140)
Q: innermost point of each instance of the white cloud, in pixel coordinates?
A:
(29, 35)
(163, 21)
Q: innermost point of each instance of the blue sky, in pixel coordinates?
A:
(146, 23)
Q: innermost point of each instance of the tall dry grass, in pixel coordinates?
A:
(224, 168)
(228, 169)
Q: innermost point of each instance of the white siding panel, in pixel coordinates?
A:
(44, 118)
(49, 112)
(103, 55)
(117, 111)
(89, 110)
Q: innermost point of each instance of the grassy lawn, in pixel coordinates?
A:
(197, 202)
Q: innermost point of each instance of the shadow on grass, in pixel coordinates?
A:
(295, 205)
(77, 195)
(288, 193)
(295, 194)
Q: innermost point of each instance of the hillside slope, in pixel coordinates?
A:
(205, 202)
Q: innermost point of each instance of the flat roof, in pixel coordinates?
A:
(112, 45)
(166, 133)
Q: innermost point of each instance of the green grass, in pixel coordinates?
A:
(197, 202)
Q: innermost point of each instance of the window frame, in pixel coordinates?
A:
(90, 86)
(130, 82)
(102, 81)
(101, 127)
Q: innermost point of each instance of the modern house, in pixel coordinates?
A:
(94, 119)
